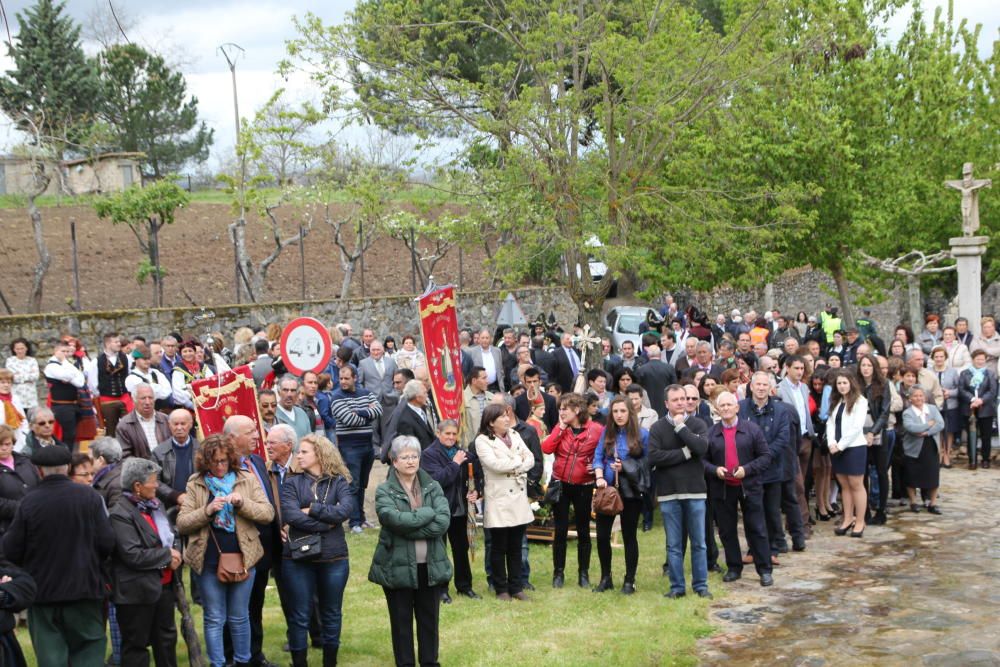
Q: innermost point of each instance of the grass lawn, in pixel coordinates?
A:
(566, 627)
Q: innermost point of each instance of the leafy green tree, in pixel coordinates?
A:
(146, 210)
(146, 106)
(53, 92)
(871, 129)
(576, 118)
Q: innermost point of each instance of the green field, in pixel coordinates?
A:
(566, 627)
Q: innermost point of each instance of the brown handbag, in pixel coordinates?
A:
(232, 569)
(608, 501)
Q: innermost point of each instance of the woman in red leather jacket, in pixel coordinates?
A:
(573, 441)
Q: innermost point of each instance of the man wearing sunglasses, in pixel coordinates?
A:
(40, 436)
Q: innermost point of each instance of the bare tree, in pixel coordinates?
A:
(913, 266)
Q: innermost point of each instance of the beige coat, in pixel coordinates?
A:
(505, 481)
(195, 522)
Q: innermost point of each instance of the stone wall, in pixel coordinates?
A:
(805, 289)
(387, 315)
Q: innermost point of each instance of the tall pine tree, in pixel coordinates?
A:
(146, 108)
(53, 91)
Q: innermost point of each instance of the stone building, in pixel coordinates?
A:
(108, 172)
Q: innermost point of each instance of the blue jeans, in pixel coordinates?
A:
(301, 582)
(359, 460)
(679, 515)
(222, 604)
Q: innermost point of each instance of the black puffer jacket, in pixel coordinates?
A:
(13, 485)
(330, 502)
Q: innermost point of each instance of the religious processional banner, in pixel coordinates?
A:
(439, 329)
(221, 396)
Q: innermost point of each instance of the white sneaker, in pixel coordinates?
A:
(357, 530)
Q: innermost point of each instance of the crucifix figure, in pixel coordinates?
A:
(969, 187)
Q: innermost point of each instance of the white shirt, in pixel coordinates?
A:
(800, 406)
(149, 429)
(489, 365)
(154, 378)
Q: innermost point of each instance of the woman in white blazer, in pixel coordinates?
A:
(845, 435)
(506, 513)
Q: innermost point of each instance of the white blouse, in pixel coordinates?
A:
(25, 380)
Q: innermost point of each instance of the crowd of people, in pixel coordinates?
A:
(106, 493)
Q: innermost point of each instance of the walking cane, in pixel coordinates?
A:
(188, 630)
(470, 513)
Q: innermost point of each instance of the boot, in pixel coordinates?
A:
(604, 584)
(879, 518)
(584, 580)
(300, 659)
(330, 656)
(558, 579)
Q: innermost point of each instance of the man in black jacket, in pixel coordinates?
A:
(734, 464)
(676, 445)
(413, 418)
(61, 535)
(774, 418)
(655, 376)
(523, 402)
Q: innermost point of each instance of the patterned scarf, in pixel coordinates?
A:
(160, 521)
(224, 518)
(978, 375)
(11, 416)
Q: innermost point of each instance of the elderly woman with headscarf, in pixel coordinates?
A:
(144, 568)
(410, 561)
(107, 454)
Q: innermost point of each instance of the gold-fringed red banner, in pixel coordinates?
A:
(439, 330)
(221, 396)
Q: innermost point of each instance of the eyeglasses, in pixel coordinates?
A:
(82, 474)
(219, 462)
(691, 398)
(409, 457)
(45, 423)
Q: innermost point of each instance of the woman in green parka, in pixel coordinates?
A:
(410, 561)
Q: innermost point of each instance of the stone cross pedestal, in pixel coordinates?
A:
(968, 252)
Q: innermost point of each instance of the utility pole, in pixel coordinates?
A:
(231, 52)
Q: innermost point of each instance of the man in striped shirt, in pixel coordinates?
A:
(356, 412)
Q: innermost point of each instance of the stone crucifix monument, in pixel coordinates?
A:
(968, 249)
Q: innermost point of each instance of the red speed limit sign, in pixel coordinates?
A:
(305, 346)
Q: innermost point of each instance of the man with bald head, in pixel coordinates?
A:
(175, 456)
(243, 433)
(736, 460)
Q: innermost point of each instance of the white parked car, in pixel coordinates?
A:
(623, 323)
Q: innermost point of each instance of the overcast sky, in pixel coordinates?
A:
(191, 31)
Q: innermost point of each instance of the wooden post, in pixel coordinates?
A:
(236, 263)
(76, 264)
(413, 262)
(302, 260)
(361, 253)
(461, 273)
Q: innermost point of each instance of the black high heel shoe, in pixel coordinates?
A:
(858, 533)
(823, 517)
(843, 530)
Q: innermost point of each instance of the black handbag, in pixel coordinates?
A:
(307, 546)
(553, 492)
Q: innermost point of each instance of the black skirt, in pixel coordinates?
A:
(923, 472)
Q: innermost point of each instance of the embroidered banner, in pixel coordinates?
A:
(221, 396)
(439, 329)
